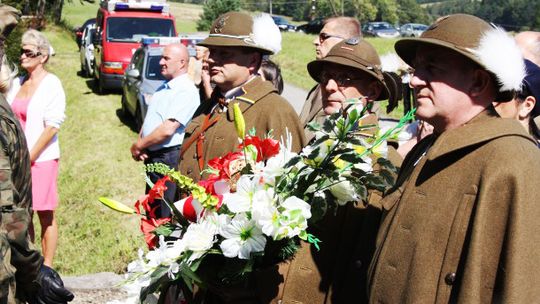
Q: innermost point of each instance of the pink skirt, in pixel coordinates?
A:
(45, 185)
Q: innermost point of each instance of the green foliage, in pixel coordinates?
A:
(213, 9)
(515, 15)
(411, 12)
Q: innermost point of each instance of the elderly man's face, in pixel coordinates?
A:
(339, 84)
(442, 80)
(328, 37)
(230, 66)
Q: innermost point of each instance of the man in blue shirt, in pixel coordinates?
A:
(170, 110)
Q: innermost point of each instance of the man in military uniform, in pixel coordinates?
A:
(23, 277)
(236, 49)
(335, 30)
(461, 224)
(350, 71)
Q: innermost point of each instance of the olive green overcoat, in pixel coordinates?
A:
(463, 225)
(263, 109)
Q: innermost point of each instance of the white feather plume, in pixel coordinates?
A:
(390, 62)
(499, 53)
(266, 33)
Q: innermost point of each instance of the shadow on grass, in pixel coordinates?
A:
(127, 120)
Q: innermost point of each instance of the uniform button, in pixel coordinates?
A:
(358, 264)
(450, 278)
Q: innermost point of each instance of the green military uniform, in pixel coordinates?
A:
(263, 109)
(19, 260)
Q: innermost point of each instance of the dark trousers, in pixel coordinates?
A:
(169, 157)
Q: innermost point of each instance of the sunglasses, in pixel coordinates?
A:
(342, 80)
(30, 53)
(324, 36)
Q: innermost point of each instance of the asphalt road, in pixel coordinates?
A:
(295, 95)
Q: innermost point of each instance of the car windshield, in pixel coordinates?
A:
(279, 20)
(125, 29)
(153, 70)
(419, 27)
(382, 26)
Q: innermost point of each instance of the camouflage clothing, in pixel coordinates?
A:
(19, 260)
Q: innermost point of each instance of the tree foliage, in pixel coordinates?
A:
(213, 9)
(514, 15)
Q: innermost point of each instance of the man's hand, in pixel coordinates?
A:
(137, 153)
(51, 289)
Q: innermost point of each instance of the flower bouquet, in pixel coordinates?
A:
(257, 203)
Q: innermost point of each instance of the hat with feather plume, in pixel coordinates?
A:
(482, 42)
(237, 29)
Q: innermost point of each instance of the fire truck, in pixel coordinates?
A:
(120, 27)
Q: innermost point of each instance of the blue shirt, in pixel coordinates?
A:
(177, 100)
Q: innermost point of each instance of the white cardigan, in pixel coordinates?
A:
(46, 108)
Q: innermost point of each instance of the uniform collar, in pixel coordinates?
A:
(485, 127)
(253, 91)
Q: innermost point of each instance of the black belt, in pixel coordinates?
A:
(163, 151)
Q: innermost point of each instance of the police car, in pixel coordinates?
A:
(143, 74)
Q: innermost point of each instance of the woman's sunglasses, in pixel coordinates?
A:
(30, 53)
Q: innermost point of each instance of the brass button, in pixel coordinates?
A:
(450, 278)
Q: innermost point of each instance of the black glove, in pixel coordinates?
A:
(51, 289)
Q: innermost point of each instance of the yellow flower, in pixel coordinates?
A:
(239, 122)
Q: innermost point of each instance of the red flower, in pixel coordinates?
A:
(144, 202)
(148, 225)
(159, 188)
(265, 148)
(222, 164)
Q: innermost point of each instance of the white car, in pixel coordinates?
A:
(87, 50)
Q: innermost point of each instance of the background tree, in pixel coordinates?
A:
(212, 9)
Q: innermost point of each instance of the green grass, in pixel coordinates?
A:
(95, 145)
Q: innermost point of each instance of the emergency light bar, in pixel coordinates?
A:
(160, 40)
(124, 5)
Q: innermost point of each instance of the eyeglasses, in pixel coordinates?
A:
(30, 53)
(342, 80)
(324, 36)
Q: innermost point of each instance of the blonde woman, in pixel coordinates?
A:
(38, 100)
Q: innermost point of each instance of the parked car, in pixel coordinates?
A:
(120, 26)
(283, 24)
(380, 29)
(86, 50)
(79, 30)
(312, 27)
(412, 29)
(143, 74)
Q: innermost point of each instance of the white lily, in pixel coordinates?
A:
(242, 237)
(241, 200)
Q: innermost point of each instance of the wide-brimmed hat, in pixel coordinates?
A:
(237, 29)
(483, 43)
(358, 54)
